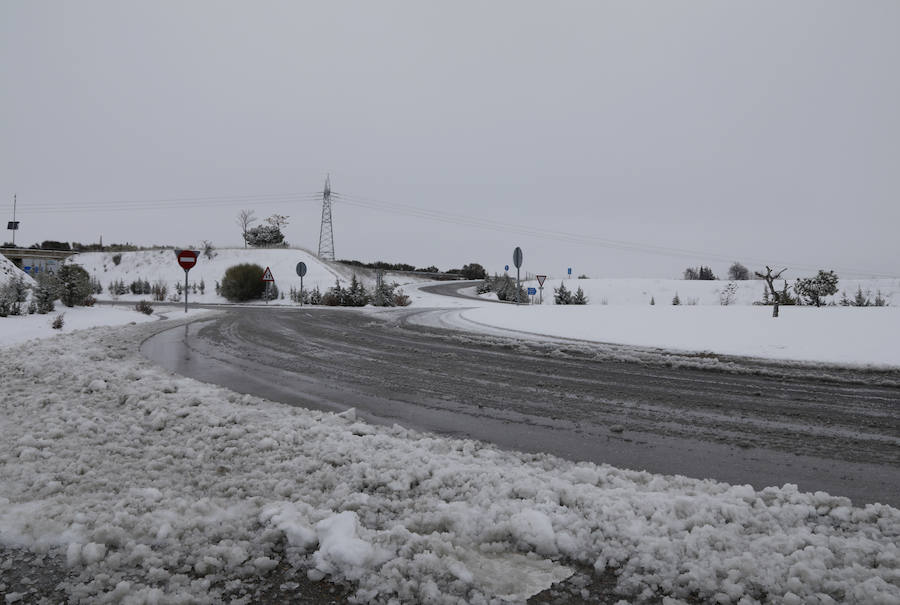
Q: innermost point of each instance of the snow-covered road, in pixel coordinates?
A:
(148, 487)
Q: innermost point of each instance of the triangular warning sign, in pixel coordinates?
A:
(541, 279)
(267, 276)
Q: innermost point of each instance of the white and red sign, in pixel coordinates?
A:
(541, 279)
(187, 259)
(267, 275)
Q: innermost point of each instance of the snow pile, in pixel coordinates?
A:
(158, 488)
(638, 292)
(832, 335)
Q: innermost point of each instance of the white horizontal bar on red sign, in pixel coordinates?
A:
(187, 259)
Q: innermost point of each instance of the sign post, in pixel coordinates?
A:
(541, 279)
(301, 271)
(517, 261)
(187, 259)
(267, 277)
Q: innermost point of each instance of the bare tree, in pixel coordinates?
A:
(770, 279)
(278, 221)
(245, 218)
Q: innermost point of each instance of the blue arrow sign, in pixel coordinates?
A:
(532, 291)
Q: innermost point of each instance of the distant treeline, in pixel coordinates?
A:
(79, 247)
(470, 271)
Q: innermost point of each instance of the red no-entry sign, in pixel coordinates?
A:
(187, 259)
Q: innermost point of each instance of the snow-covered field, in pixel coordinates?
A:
(832, 335)
(639, 292)
(153, 488)
(161, 265)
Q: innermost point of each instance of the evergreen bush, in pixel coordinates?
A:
(74, 285)
(243, 282)
(561, 295)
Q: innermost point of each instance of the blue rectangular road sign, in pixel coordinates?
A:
(532, 291)
(570, 270)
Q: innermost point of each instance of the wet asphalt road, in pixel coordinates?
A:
(758, 423)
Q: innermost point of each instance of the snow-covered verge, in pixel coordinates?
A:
(156, 488)
(831, 335)
(21, 328)
(639, 291)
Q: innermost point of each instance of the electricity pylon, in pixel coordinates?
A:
(326, 235)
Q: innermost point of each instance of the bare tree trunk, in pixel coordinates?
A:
(770, 281)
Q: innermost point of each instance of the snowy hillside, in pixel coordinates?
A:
(156, 265)
(699, 292)
(9, 271)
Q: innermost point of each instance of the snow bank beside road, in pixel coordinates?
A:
(835, 335)
(162, 488)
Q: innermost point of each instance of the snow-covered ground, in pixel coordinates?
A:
(154, 488)
(832, 335)
(14, 330)
(639, 292)
(161, 265)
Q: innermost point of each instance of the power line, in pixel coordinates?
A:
(580, 239)
(573, 238)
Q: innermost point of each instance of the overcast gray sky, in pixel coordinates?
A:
(750, 131)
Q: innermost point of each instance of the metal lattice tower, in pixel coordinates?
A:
(326, 235)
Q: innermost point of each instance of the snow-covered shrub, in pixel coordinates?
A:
(271, 292)
(505, 287)
(401, 299)
(45, 293)
(75, 285)
(676, 300)
(727, 295)
(315, 297)
(561, 295)
(486, 286)
(144, 307)
(57, 322)
(116, 259)
(264, 236)
(357, 296)
(334, 296)
(814, 289)
(580, 299)
(159, 290)
(243, 282)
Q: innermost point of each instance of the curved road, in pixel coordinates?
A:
(759, 423)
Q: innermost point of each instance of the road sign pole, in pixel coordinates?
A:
(517, 286)
(517, 261)
(541, 290)
(301, 271)
(187, 259)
